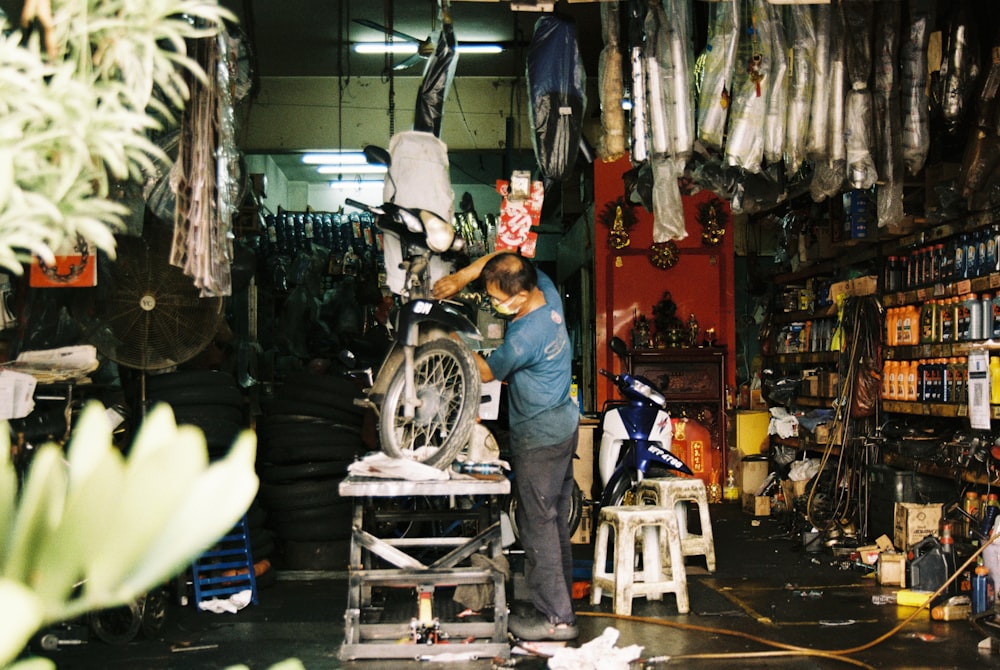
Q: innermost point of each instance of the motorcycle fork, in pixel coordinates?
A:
(410, 399)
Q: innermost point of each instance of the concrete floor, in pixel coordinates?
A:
(767, 592)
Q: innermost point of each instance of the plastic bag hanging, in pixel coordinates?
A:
(612, 85)
(829, 175)
(438, 75)
(555, 78)
(718, 63)
(861, 173)
(916, 137)
(801, 35)
(668, 209)
(745, 146)
(667, 53)
(888, 145)
(816, 141)
(776, 120)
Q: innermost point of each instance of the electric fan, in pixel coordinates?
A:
(146, 314)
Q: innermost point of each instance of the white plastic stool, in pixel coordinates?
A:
(656, 524)
(676, 492)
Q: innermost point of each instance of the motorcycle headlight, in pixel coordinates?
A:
(649, 392)
(440, 233)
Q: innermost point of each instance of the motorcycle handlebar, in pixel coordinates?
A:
(359, 205)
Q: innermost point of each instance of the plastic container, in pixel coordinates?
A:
(983, 591)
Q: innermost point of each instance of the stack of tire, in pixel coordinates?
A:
(208, 399)
(309, 433)
(214, 402)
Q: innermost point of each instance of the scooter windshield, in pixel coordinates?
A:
(647, 391)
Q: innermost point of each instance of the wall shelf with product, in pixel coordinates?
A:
(941, 291)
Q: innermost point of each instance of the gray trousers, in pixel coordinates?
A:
(544, 481)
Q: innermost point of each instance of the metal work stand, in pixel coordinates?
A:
(382, 640)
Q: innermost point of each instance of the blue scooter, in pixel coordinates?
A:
(636, 435)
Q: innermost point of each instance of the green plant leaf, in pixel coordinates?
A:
(20, 617)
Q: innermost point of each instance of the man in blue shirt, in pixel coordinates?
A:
(535, 360)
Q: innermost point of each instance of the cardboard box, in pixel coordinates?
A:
(756, 505)
(891, 569)
(753, 472)
(914, 522)
(751, 430)
(793, 490)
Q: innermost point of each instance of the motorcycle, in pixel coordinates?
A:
(636, 436)
(427, 390)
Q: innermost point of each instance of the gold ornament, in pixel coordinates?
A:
(663, 255)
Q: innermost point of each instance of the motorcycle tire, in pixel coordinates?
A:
(624, 491)
(446, 379)
(575, 511)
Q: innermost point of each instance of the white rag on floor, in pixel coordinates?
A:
(232, 604)
(381, 464)
(598, 654)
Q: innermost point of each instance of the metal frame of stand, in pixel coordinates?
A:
(381, 640)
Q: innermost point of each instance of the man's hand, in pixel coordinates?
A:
(449, 285)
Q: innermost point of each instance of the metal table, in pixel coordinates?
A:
(381, 640)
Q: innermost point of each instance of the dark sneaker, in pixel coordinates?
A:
(534, 627)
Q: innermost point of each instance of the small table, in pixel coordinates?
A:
(381, 640)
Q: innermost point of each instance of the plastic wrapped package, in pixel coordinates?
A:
(668, 210)
(816, 141)
(861, 173)
(916, 135)
(719, 64)
(438, 75)
(640, 127)
(745, 146)
(667, 54)
(858, 131)
(555, 78)
(419, 176)
(959, 66)
(777, 99)
(829, 174)
(802, 37)
(888, 144)
(982, 150)
(609, 74)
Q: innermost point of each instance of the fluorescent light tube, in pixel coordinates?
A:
(409, 48)
(350, 169)
(334, 158)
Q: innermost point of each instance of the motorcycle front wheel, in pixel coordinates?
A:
(447, 384)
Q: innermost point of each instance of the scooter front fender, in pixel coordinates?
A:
(622, 424)
(415, 313)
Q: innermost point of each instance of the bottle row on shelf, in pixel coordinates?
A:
(964, 318)
(940, 380)
(801, 337)
(943, 380)
(964, 256)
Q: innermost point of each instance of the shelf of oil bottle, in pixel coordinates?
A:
(934, 469)
(938, 409)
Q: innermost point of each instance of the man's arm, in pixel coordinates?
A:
(449, 285)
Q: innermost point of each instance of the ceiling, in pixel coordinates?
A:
(311, 38)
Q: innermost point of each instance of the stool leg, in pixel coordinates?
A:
(706, 533)
(652, 568)
(678, 574)
(600, 561)
(624, 570)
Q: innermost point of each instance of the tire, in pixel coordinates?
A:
(312, 409)
(182, 396)
(446, 379)
(201, 415)
(188, 379)
(300, 495)
(277, 474)
(117, 625)
(575, 511)
(623, 491)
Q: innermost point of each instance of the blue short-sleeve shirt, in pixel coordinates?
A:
(535, 359)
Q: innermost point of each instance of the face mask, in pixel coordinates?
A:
(503, 309)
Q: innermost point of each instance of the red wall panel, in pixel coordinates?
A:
(627, 283)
